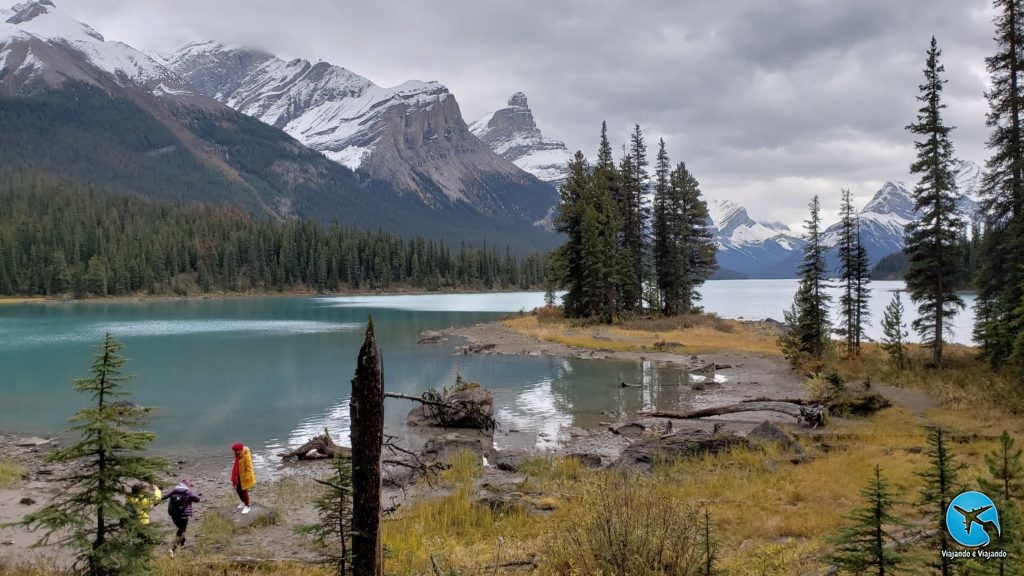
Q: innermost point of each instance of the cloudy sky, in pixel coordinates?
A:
(767, 101)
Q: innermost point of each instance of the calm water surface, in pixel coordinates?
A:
(273, 371)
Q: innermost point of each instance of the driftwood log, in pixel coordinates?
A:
(318, 448)
(809, 415)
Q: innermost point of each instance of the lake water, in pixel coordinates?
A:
(274, 371)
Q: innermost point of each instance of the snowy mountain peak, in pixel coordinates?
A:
(513, 134)
(33, 32)
(892, 198)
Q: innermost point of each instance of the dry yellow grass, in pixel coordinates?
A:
(20, 300)
(682, 336)
(10, 472)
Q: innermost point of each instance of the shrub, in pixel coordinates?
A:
(626, 525)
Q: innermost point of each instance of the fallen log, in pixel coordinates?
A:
(812, 416)
(318, 448)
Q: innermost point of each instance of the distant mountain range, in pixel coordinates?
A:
(297, 139)
(76, 106)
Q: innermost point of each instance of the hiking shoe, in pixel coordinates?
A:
(245, 510)
(240, 506)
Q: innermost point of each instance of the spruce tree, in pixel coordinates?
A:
(606, 184)
(709, 545)
(634, 214)
(694, 247)
(569, 222)
(932, 241)
(807, 320)
(89, 515)
(1006, 488)
(894, 333)
(662, 246)
(861, 546)
(334, 508)
(1000, 302)
(862, 292)
(854, 276)
(940, 487)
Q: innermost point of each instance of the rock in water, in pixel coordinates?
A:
(471, 406)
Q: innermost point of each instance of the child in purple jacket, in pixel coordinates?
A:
(179, 507)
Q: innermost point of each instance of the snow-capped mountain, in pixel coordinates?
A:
(513, 134)
(747, 247)
(41, 45)
(884, 219)
(83, 110)
(411, 135)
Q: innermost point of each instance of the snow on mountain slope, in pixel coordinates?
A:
(327, 107)
(41, 21)
(411, 136)
(513, 134)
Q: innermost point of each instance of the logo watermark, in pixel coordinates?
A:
(972, 519)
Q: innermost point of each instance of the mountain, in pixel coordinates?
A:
(748, 248)
(77, 107)
(411, 136)
(513, 134)
(885, 217)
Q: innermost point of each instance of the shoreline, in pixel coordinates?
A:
(16, 300)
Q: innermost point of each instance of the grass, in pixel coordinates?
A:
(695, 334)
(10, 472)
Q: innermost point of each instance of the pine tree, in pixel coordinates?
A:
(862, 292)
(606, 184)
(629, 195)
(334, 507)
(569, 222)
(807, 320)
(861, 547)
(694, 247)
(1006, 487)
(940, 486)
(893, 331)
(662, 245)
(854, 276)
(1000, 302)
(89, 515)
(932, 241)
(709, 545)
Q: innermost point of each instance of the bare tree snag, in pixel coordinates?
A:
(813, 416)
(367, 415)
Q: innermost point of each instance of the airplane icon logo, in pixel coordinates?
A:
(972, 520)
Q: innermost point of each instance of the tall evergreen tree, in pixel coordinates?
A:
(807, 320)
(941, 485)
(695, 251)
(607, 182)
(634, 214)
(894, 333)
(89, 515)
(865, 545)
(854, 276)
(1000, 302)
(665, 265)
(932, 241)
(861, 274)
(569, 221)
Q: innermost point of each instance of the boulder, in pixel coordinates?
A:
(442, 447)
(510, 460)
(772, 434)
(644, 452)
(631, 430)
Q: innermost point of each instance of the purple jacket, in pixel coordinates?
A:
(190, 497)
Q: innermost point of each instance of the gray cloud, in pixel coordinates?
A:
(767, 101)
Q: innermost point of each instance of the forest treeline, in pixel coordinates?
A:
(58, 239)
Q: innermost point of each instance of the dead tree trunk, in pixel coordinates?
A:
(813, 416)
(367, 414)
(322, 447)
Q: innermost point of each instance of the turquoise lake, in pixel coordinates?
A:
(273, 371)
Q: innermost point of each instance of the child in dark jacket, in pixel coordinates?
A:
(179, 507)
